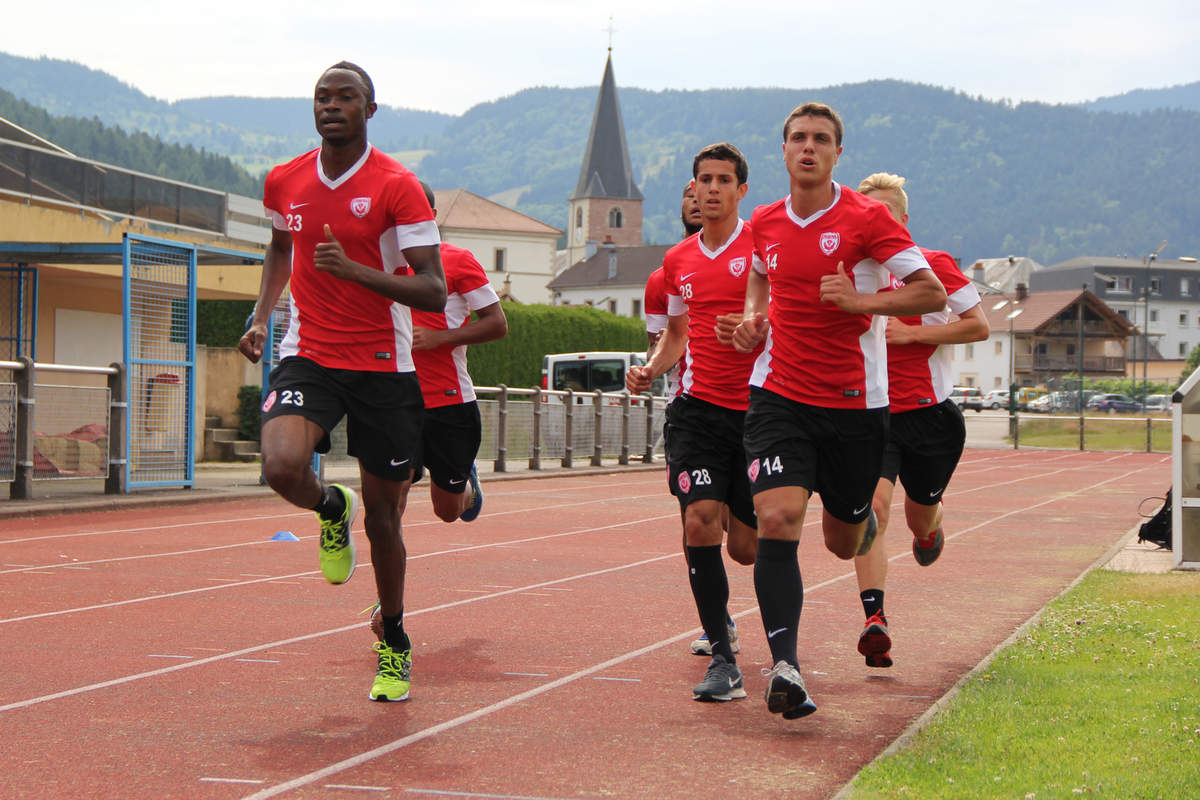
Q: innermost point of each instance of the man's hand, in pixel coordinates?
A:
(750, 333)
(637, 380)
(839, 290)
(898, 332)
(726, 324)
(252, 342)
(425, 338)
(331, 258)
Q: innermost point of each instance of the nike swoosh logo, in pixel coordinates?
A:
(771, 247)
(456, 483)
(685, 277)
(396, 463)
(858, 511)
(775, 633)
(294, 206)
(935, 494)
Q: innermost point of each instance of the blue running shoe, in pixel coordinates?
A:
(472, 511)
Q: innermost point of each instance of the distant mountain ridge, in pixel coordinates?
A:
(1185, 97)
(985, 178)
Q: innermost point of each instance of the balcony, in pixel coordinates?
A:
(1092, 365)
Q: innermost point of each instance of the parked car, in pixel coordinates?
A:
(591, 371)
(1112, 403)
(967, 397)
(1027, 394)
(1041, 405)
(1157, 403)
(996, 398)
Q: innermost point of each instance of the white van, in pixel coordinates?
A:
(587, 372)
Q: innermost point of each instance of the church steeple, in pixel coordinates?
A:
(606, 204)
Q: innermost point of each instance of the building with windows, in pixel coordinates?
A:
(1169, 313)
(516, 250)
(613, 278)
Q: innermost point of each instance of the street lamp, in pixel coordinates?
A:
(1146, 315)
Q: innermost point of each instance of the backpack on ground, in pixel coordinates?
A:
(1157, 529)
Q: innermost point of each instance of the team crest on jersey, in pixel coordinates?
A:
(685, 482)
(359, 206)
(752, 470)
(830, 241)
(269, 403)
(737, 266)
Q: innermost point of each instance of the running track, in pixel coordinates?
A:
(179, 652)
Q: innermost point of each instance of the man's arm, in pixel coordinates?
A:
(489, 324)
(276, 271)
(752, 329)
(667, 353)
(971, 326)
(922, 293)
(424, 290)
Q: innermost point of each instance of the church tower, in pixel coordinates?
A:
(606, 205)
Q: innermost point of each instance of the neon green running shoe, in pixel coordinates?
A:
(392, 678)
(337, 542)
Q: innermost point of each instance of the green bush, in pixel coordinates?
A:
(535, 330)
(249, 412)
(220, 323)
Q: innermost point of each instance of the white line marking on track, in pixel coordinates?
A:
(260, 660)
(250, 781)
(527, 674)
(167, 655)
(349, 787)
(617, 680)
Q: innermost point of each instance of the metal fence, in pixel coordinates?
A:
(541, 427)
(51, 431)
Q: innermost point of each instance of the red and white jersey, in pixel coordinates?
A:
(375, 209)
(705, 284)
(919, 374)
(442, 371)
(815, 352)
(654, 302)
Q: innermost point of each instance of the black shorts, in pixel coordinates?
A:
(383, 411)
(449, 444)
(836, 452)
(923, 449)
(706, 460)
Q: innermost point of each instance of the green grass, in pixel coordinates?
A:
(1100, 699)
(1118, 433)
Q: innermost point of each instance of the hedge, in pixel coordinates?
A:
(516, 360)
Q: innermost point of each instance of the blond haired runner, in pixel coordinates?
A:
(926, 436)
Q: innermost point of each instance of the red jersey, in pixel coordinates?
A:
(815, 352)
(654, 302)
(443, 370)
(704, 284)
(375, 209)
(920, 374)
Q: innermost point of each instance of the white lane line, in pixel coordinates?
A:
(260, 660)
(617, 680)
(527, 674)
(370, 755)
(357, 626)
(314, 574)
(291, 515)
(167, 655)
(260, 542)
(249, 781)
(349, 787)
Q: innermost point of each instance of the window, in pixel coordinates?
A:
(615, 218)
(1121, 283)
(1154, 286)
(1183, 319)
(1185, 287)
(1070, 349)
(1154, 315)
(999, 346)
(1124, 312)
(970, 353)
(1183, 349)
(501, 257)
(579, 226)
(612, 306)
(637, 308)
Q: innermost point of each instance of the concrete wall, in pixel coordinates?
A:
(227, 371)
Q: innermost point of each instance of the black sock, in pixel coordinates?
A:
(332, 503)
(710, 588)
(872, 600)
(780, 595)
(394, 635)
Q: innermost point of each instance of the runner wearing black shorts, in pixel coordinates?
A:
(927, 430)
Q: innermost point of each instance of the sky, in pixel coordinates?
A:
(449, 55)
